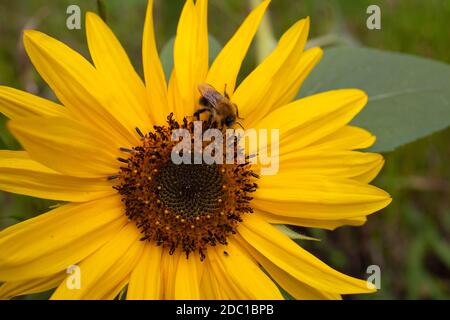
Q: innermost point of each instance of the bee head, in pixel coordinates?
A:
(230, 120)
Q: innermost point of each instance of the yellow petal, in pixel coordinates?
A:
(118, 291)
(303, 266)
(169, 263)
(116, 71)
(371, 174)
(310, 223)
(77, 85)
(103, 272)
(226, 66)
(187, 284)
(241, 273)
(219, 286)
(210, 288)
(361, 166)
(18, 104)
(173, 98)
(293, 78)
(202, 62)
(19, 174)
(67, 146)
(154, 74)
(146, 277)
(52, 242)
(190, 57)
(294, 287)
(254, 95)
(9, 290)
(345, 138)
(307, 120)
(316, 197)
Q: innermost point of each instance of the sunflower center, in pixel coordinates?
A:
(183, 206)
(193, 190)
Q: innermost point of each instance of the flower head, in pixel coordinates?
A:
(136, 220)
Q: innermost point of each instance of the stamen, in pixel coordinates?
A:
(140, 132)
(126, 150)
(122, 160)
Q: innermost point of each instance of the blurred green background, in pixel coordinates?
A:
(409, 240)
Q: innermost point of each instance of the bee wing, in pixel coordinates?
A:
(210, 94)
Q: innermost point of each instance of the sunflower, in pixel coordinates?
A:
(137, 224)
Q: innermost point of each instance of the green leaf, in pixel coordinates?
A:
(409, 96)
(2, 143)
(167, 54)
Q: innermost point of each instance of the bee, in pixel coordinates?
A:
(223, 113)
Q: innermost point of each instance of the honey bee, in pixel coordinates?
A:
(223, 113)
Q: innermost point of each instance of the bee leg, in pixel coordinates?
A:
(211, 124)
(211, 121)
(200, 111)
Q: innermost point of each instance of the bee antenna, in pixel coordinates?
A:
(240, 125)
(225, 92)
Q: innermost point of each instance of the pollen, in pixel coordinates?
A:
(186, 207)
